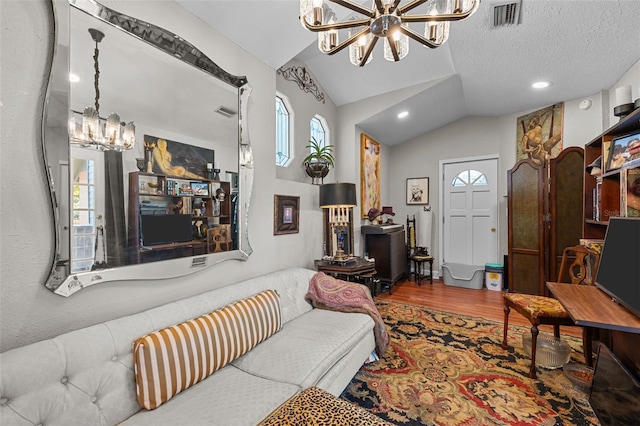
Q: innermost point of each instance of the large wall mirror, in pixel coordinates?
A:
(146, 149)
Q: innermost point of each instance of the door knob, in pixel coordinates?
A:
(493, 229)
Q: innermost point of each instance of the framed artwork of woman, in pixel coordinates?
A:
(178, 159)
(369, 175)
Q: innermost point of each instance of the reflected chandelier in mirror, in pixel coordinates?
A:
(141, 201)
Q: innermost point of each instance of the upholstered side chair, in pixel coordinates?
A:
(579, 265)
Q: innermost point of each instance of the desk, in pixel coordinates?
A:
(589, 306)
(358, 269)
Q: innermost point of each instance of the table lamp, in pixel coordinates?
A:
(339, 199)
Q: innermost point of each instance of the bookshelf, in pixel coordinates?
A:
(605, 195)
(162, 196)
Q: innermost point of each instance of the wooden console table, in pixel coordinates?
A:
(589, 306)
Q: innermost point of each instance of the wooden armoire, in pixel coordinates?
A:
(545, 216)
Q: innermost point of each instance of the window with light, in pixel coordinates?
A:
(318, 130)
(469, 177)
(283, 131)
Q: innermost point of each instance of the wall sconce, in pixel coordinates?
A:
(339, 199)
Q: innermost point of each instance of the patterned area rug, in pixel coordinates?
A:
(448, 369)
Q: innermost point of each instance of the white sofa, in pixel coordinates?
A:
(86, 377)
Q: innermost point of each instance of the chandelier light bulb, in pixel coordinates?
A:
(400, 42)
(317, 12)
(358, 48)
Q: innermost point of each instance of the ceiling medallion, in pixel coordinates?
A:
(386, 19)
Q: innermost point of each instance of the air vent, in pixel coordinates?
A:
(198, 262)
(506, 14)
(227, 112)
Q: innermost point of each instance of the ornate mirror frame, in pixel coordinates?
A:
(56, 149)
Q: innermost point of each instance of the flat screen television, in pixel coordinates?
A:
(615, 392)
(164, 229)
(619, 271)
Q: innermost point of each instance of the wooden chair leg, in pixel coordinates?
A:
(587, 342)
(534, 341)
(506, 310)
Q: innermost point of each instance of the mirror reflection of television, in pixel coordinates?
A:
(615, 393)
(165, 229)
(619, 271)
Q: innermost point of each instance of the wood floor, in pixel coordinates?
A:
(478, 303)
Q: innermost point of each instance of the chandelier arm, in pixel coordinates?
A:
(394, 6)
(409, 6)
(456, 16)
(419, 38)
(379, 5)
(368, 52)
(335, 26)
(355, 7)
(394, 49)
(345, 43)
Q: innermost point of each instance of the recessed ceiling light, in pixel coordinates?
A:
(73, 78)
(540, 84)
(403, 114)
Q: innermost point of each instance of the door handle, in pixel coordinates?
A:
(493, 229)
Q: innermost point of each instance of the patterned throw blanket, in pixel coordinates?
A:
(313, 406)
(326, 292)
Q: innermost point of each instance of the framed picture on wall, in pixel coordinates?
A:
(418, 191)
(369, 175)
(286, 214)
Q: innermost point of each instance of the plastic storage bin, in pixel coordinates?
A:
(461, 275)
(493, 276)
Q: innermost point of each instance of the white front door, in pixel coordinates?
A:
(470, 211)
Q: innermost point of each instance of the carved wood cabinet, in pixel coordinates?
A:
(544, 216)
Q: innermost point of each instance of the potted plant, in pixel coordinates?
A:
(319, 160)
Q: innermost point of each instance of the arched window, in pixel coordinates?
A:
(469, 177)
(319, 130)
(284, 130)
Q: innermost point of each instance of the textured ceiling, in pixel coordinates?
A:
(582, 47)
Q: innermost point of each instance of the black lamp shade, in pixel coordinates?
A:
(338, 194)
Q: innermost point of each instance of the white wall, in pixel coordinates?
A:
(28, 311)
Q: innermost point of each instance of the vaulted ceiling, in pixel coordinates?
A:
(581, 47)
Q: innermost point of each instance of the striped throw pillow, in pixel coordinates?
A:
(169, 361)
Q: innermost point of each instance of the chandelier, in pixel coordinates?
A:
(94, 131)
(386, 19)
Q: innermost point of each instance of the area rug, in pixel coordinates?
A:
(447, 369)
